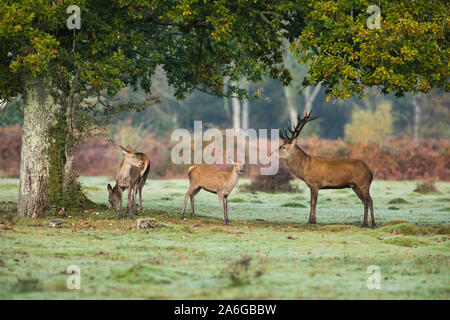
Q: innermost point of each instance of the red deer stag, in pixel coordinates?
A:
(323, 173)
(202, 176)
(132, 174)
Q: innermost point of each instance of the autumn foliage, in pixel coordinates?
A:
(395, 158)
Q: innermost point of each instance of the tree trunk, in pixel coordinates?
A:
(226, 105)
(417, 116)
(236, 111)
(69, 150)
(290, 105)
(245, 111)
(39, 109)
(311, 97)
(68, 167)
(245, 115)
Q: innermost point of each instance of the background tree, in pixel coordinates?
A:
(295, 91)
(409, 53)
(121, 43)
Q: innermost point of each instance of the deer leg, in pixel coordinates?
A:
(130, 203)
(363, 198)
(120, 202)
(140, 196)
(313, 202)
(223, 205)
(193, 194)
(121, 196)
(225, 201)
(371, 211)
(186, 197)
(134, 200)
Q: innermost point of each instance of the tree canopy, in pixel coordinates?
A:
(408, 53)
(122, 42)
(199, 42)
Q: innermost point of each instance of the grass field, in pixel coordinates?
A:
(268, 251)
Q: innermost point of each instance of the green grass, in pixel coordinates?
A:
(398, 201)
(268, 251)
(293, 205)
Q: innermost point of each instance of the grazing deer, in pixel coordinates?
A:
(202, 176)
(323, 173)
(132, 174)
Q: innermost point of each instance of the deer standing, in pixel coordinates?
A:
(132, 174)
(324, 173)
(202, 176)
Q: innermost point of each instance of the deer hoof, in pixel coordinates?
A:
(311, 222)
(374, 225)
(365, 225)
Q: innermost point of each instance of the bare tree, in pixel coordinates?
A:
(309, 93)
(226, 104)
(245, 111)
(236, 110)
(290, 103)
(417, 115)
(310, 96)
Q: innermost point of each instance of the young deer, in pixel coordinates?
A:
(202, 176)
(132, 174)
(323, 173)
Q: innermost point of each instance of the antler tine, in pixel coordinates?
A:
(289, 128)
(303, 121)
(286, 135)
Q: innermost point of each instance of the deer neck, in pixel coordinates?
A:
(299, 162)
(123, 176)
(233, 179)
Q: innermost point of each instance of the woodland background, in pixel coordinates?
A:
(401, 138)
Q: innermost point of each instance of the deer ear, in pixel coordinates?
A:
(128, 148)
(109, 188)
(125, 151)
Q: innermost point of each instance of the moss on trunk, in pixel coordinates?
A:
(39, 110)
(63, 193)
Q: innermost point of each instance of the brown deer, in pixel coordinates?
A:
(132, 174)
(202, 176)
(324, 173)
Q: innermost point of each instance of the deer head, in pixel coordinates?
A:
(130, 157)
(289, 139)
(114, 196)
(238, 167)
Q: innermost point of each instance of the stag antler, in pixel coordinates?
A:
(301, 122)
